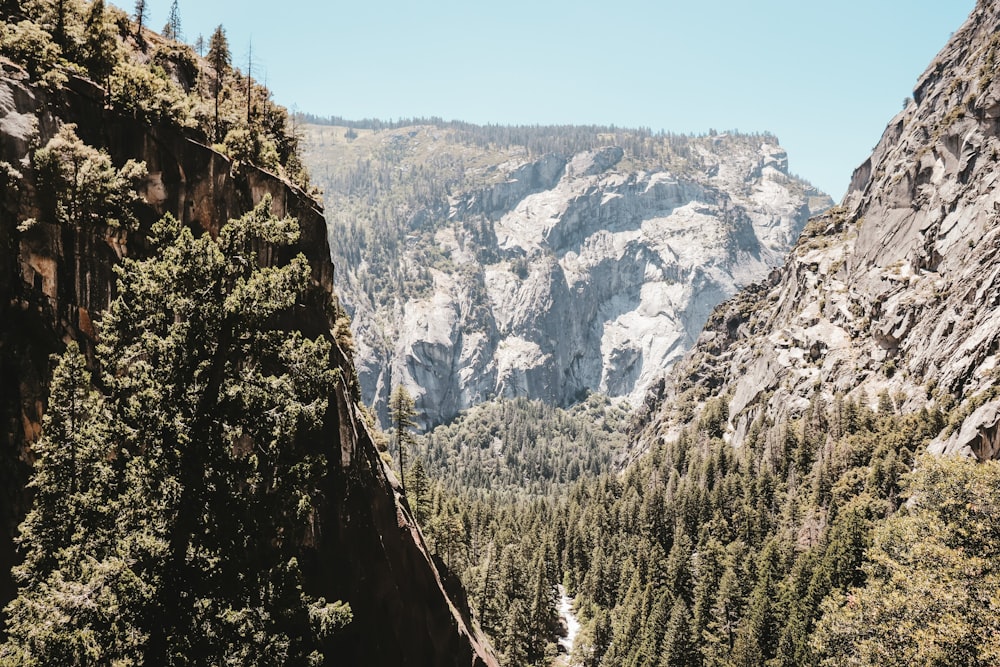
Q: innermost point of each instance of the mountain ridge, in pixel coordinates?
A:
(870, 300)
(526, 271)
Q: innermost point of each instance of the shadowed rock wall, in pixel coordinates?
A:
(56, 280)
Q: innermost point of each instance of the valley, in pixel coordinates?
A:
(762, 476)
(520, 395)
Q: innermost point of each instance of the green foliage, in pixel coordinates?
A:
(402, 412)
(147, 93)
(698, 554)
(933, 573)
(714, 416)
(29, 43)
(218, 51)
(219, 59)
(101, 50)
(141, 16)
(418, 495)
(522, 445)
(75, 604)
(490, 513)
(243, 145)
(78, 185)
(168, 84)
(169, 513)
(172, 29)
(327, 618)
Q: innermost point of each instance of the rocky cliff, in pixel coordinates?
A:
(545, 270)
(55, 281)
(895, 292)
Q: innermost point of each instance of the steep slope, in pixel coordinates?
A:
(543, 262)
(781, 507)
(894, 292)
(57, 278)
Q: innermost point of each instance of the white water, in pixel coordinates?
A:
(569, 619)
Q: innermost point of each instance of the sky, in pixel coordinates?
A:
(825, 77)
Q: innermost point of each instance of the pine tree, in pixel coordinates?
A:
(514, 634)
(593, 641)
(80, 186)
(401, 413)
(757, 638)
(709, 574)
(141, 14)
(542, 611)
(78, 601)
(60, 15)
(101, 46)
(216, 409)
(172, 29)
(720, 633)
(419, 488)
(678, 650)
(647, 647)
(219, 57)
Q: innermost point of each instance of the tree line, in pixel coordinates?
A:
(156, 78)
(799, 548)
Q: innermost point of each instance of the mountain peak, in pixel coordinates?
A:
(895, 291)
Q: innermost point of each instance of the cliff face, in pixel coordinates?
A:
(895, 291)
(557, 275)
(55, 281)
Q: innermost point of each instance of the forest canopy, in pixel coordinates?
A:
(155, 78)
(170, 506)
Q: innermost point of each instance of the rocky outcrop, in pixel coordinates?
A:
(562, 275)
(978, 437)
(896, 291)
(56, 280)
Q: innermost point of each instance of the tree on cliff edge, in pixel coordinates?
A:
(220, 58)
(141, 14)
(172, 29)
(402, 413)
(80, 186)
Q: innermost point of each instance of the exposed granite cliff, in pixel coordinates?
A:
(55, 281)
(556, 275)
(894, 292)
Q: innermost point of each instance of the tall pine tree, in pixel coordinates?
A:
(402, 413)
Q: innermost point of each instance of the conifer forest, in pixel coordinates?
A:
(227, 438)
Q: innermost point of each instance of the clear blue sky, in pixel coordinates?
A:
(825, 77)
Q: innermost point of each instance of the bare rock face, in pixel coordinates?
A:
(896, 290)
(978, 437)
(567, 274)
(55, 281)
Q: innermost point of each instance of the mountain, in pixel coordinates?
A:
(486, 262)
(894, 291)
(106, 131)
(784, 504)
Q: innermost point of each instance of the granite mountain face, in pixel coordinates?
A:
(894, 292)
(543, 262)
